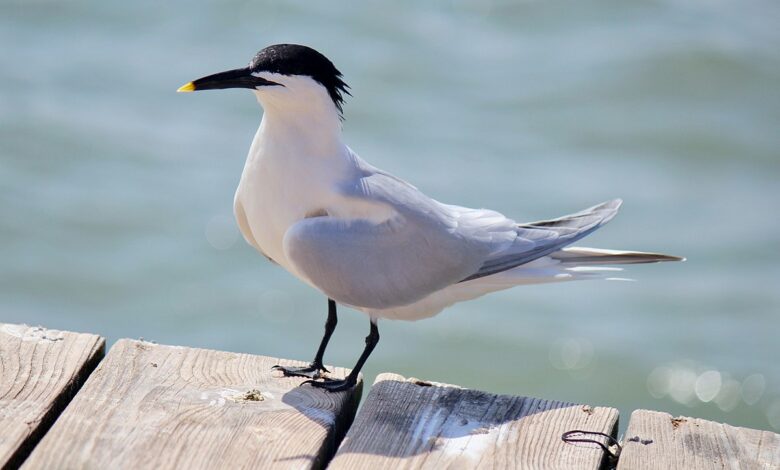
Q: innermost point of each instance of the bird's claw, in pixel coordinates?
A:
(312, 371)
(332, 385)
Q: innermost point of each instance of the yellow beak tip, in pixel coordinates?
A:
(186, 88)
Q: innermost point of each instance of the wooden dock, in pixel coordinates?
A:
(144, 405)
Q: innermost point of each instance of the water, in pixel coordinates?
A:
(117, 192)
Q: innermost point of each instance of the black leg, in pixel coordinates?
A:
(339, 385)
(315, 369)
(330, 326)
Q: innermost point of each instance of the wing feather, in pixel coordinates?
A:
(422, 246)
(382, 264)
(547, 237)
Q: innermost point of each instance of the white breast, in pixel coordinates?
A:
(295, 167)
(285, 180)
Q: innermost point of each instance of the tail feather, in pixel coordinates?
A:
(582, 256)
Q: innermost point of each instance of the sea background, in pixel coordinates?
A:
(116, 212)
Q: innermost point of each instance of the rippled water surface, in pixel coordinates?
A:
(117, 192)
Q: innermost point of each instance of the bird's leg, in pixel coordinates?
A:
(339, 385)
(316, 367)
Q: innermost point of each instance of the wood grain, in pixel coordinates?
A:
(40, 371)
(656, 440)
(412, 424)
(153, 406)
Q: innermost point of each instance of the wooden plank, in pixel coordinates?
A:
(40, 371)
(656, 440)
(414, 424)
(153, 406)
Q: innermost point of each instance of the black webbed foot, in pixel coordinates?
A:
(312, 371)
(332, 385)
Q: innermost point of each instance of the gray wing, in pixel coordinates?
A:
(421, 247)
(416, 250)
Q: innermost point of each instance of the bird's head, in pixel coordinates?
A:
(283, 76)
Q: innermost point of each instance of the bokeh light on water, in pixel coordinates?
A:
(693, 385)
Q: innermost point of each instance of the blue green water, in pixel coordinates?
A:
(117, 192)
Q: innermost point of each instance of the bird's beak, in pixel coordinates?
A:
(238, 78)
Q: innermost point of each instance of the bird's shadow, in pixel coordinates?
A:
(403, 418)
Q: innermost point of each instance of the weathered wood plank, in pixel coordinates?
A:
(153, 406)
(656, 440)
(40, 371)
(413, 424)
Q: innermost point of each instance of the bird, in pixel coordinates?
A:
(365, 238)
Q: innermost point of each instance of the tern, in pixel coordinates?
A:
(365, 238)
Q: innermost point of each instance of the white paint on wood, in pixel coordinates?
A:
(656, 440)
(414, 424)
(40, 371)
(154, 406)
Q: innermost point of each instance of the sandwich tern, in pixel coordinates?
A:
(368, 239)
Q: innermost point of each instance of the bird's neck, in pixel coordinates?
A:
(308, 126)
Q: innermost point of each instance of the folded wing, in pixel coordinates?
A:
(422, 247)
(366, 263)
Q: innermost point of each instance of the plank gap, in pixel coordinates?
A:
(54, 365)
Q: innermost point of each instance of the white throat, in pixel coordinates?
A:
(299, 114)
